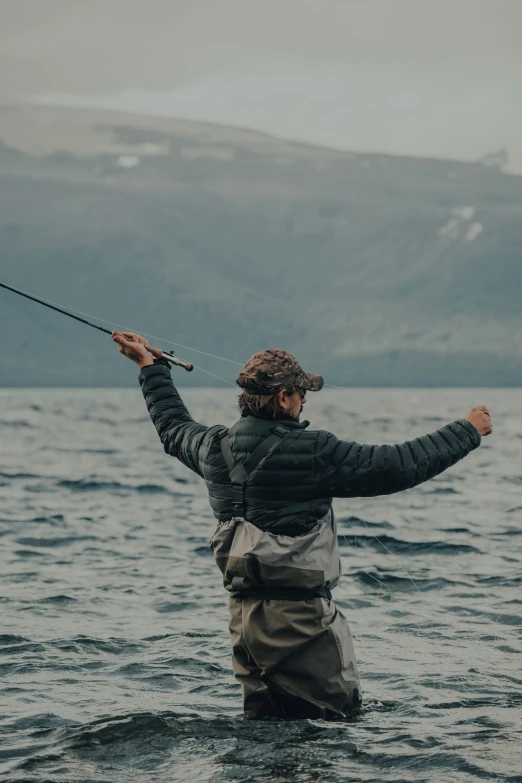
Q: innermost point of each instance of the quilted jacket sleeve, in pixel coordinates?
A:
(349, 469)
(181, 436)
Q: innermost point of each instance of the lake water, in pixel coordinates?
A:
(114, 650)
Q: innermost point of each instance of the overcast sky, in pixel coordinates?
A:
(422, 77)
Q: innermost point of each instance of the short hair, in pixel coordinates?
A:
(266, 406)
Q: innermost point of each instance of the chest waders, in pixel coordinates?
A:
(292, 649)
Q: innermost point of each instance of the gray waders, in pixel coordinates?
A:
(292, 649)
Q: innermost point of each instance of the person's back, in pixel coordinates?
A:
(271, 482)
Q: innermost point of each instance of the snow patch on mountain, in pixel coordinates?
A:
(473, 231)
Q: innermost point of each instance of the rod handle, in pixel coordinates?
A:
(159, 354)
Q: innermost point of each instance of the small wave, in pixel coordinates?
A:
(400, 583)
(512, 699)
(161, 637)
(168, 607)
(21, 647)
(398, 546)
(421, 419)
(501, 618)
(89, 485)
(79, 450)
(124, 728)
(144, 725)
(93, 485)
(33, 763)
(41, 723)
(364, 522)
(19, 475)
(17, 423)
(10, 638)
(206, 551)
(52, 519)
(54, 542)
(442, 491)
(99, 420)
(508, 649)
(378, 705)
(11, 644)
(500, 580)
(152, 489)
(80, 644)
(58, 599)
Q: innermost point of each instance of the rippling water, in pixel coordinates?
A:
(114, 650)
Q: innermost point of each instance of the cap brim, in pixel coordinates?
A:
(310, 382)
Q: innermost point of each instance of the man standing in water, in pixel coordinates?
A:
(271, 483)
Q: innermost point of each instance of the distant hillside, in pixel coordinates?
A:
(373, 269)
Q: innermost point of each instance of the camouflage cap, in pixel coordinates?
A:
(274, 369)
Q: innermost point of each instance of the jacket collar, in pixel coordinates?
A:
(282, 421)
(294, 425)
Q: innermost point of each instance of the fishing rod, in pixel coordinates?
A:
(156, 352)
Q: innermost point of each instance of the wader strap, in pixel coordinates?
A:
(240, 589)
(239, 472)
(227, 453)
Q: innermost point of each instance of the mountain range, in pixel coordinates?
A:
(373, 269)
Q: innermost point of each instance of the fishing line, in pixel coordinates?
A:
(463, 679)
(390, 597)
(412, 614)
(169, 342)
(121, 327)
(157, 352)
(391, 553)
(214, 376)
(391, 593)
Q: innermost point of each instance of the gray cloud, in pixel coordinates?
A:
(109, 45)
(364, 73)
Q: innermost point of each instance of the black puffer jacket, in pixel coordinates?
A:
(294, 485)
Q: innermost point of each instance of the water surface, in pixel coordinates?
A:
(114, 649)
